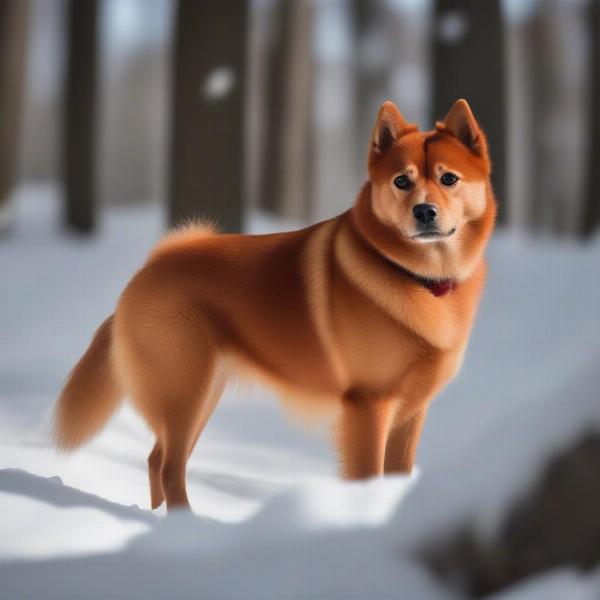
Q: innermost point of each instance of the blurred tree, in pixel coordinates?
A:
(42, 129)
(468, 62)
(554, 58)
(79, 160)
(372, 67)
(13, 34)
(591, 213)
(133, 132)
(133, 114)
(286, 185)
(207, 145)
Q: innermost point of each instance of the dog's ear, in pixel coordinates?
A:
(461, 123)
(390, 126)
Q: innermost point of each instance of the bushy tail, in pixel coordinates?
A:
(91, 395)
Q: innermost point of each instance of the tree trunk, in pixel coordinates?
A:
(557, 125)
(370, 22)
(287, 167)
(591, 212)
(13, 33)
(468, 63)
(207, 147)
(80, 115)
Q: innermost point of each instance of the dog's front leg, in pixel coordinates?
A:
(362, 435)
(402, 443)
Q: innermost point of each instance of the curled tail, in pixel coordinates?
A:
(91, 395)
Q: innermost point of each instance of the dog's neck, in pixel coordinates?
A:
(439, 270)
(437, 286)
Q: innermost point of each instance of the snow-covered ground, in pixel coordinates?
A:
(271, 518)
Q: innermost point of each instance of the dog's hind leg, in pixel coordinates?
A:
(155, 462)
(177, 432)
(168, 356)
(156, 458)
(214, 395)
(175, 398)
(362, 435)
(181, 427)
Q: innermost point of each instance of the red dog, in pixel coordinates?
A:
(367, 314)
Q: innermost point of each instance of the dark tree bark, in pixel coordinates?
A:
(287, 176)
(371, 77)
(79, 162)
(208, 131)
(591, 212)
(468, 63)
(13, 33)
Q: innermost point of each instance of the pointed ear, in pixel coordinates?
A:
(390, 126)
(461, 123)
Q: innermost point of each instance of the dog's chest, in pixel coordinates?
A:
(374, 347)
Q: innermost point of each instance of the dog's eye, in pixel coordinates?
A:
(448, 179)
(402, 182)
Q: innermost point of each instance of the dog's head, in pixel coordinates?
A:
(427, 185)
(430, 189)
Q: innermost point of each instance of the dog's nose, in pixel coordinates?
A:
(425, 213)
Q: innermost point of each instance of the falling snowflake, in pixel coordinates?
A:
(452, 26)
(218, 83)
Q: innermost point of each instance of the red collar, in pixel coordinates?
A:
(438, 287)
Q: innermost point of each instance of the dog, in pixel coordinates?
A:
(365, 316)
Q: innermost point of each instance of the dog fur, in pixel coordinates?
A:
(340, 316)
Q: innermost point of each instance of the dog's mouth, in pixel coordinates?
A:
(434, 234)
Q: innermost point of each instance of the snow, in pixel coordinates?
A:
(556, 585)
(452, 27)
(271, 517)
(219, 83)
